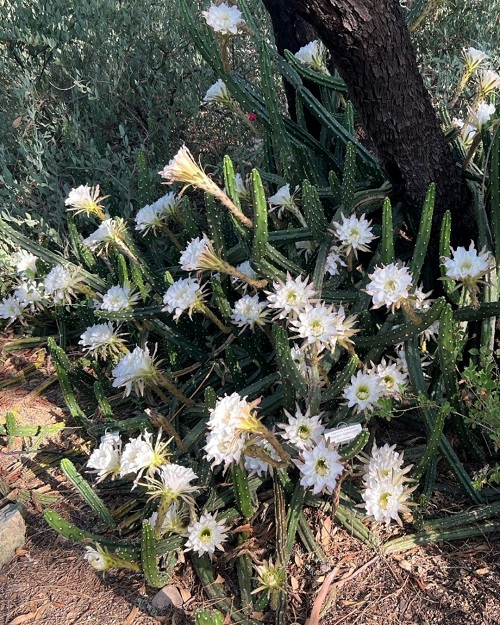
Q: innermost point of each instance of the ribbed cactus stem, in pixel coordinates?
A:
(293, 210)
(123, 247)
(232, 271)
(172, 237)
(213, 317)
(272, 439)
(173, 390)
(165, 504)
(407, 306)
(229, 204)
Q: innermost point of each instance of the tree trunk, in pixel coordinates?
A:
(371, 48)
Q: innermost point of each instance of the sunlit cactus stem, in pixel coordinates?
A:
(172, 237)
(232, 271)
(162, 380)
(407, 306)
(272, 439)
(210, 315)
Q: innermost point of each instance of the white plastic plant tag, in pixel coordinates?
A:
(343, 434)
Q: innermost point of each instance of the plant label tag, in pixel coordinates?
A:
(343, 434)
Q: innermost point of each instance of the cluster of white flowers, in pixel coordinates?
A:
(385, 485)
(314, 54)
(171, 482)
(390, 286)
(230, 424)
(102, 340)
(224, 19)
(153, 217)
(135, 370)
(249, 311)
(184, 294)
(118, 298)
(354, 234)
(109, 232)
(467, 266)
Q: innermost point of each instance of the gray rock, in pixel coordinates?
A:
(12, 532)
(168, 597)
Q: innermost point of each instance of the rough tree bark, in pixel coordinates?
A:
(371, 48)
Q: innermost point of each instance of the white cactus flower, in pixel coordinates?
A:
(290, 297)
(225, 20)
(25, 263)
(363, 392)
(467, 266)
(119, 298)
(218, 92)
(134, 371)
(183, 294)
(314, 54)
(12, 309)
(206, 535)
(390, 286)
(302, 430)
(319, 467)
(102, 340)
(354, 234)
(61, 284)
(109, 232)
(249, 311)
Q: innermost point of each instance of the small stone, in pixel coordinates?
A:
(168, 597)
(12, 532)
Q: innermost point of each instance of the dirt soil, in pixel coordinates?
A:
(50, 583)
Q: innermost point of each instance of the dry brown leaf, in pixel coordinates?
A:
(131, 617)
(482, 571)
(185, 594)
(298, 560)
(17, 122)
(294, 583)
(23, 618)
(219, 580)
(242, 528)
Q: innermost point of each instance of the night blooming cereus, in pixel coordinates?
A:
(468, 269)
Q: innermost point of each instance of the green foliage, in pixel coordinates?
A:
(480, 390)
